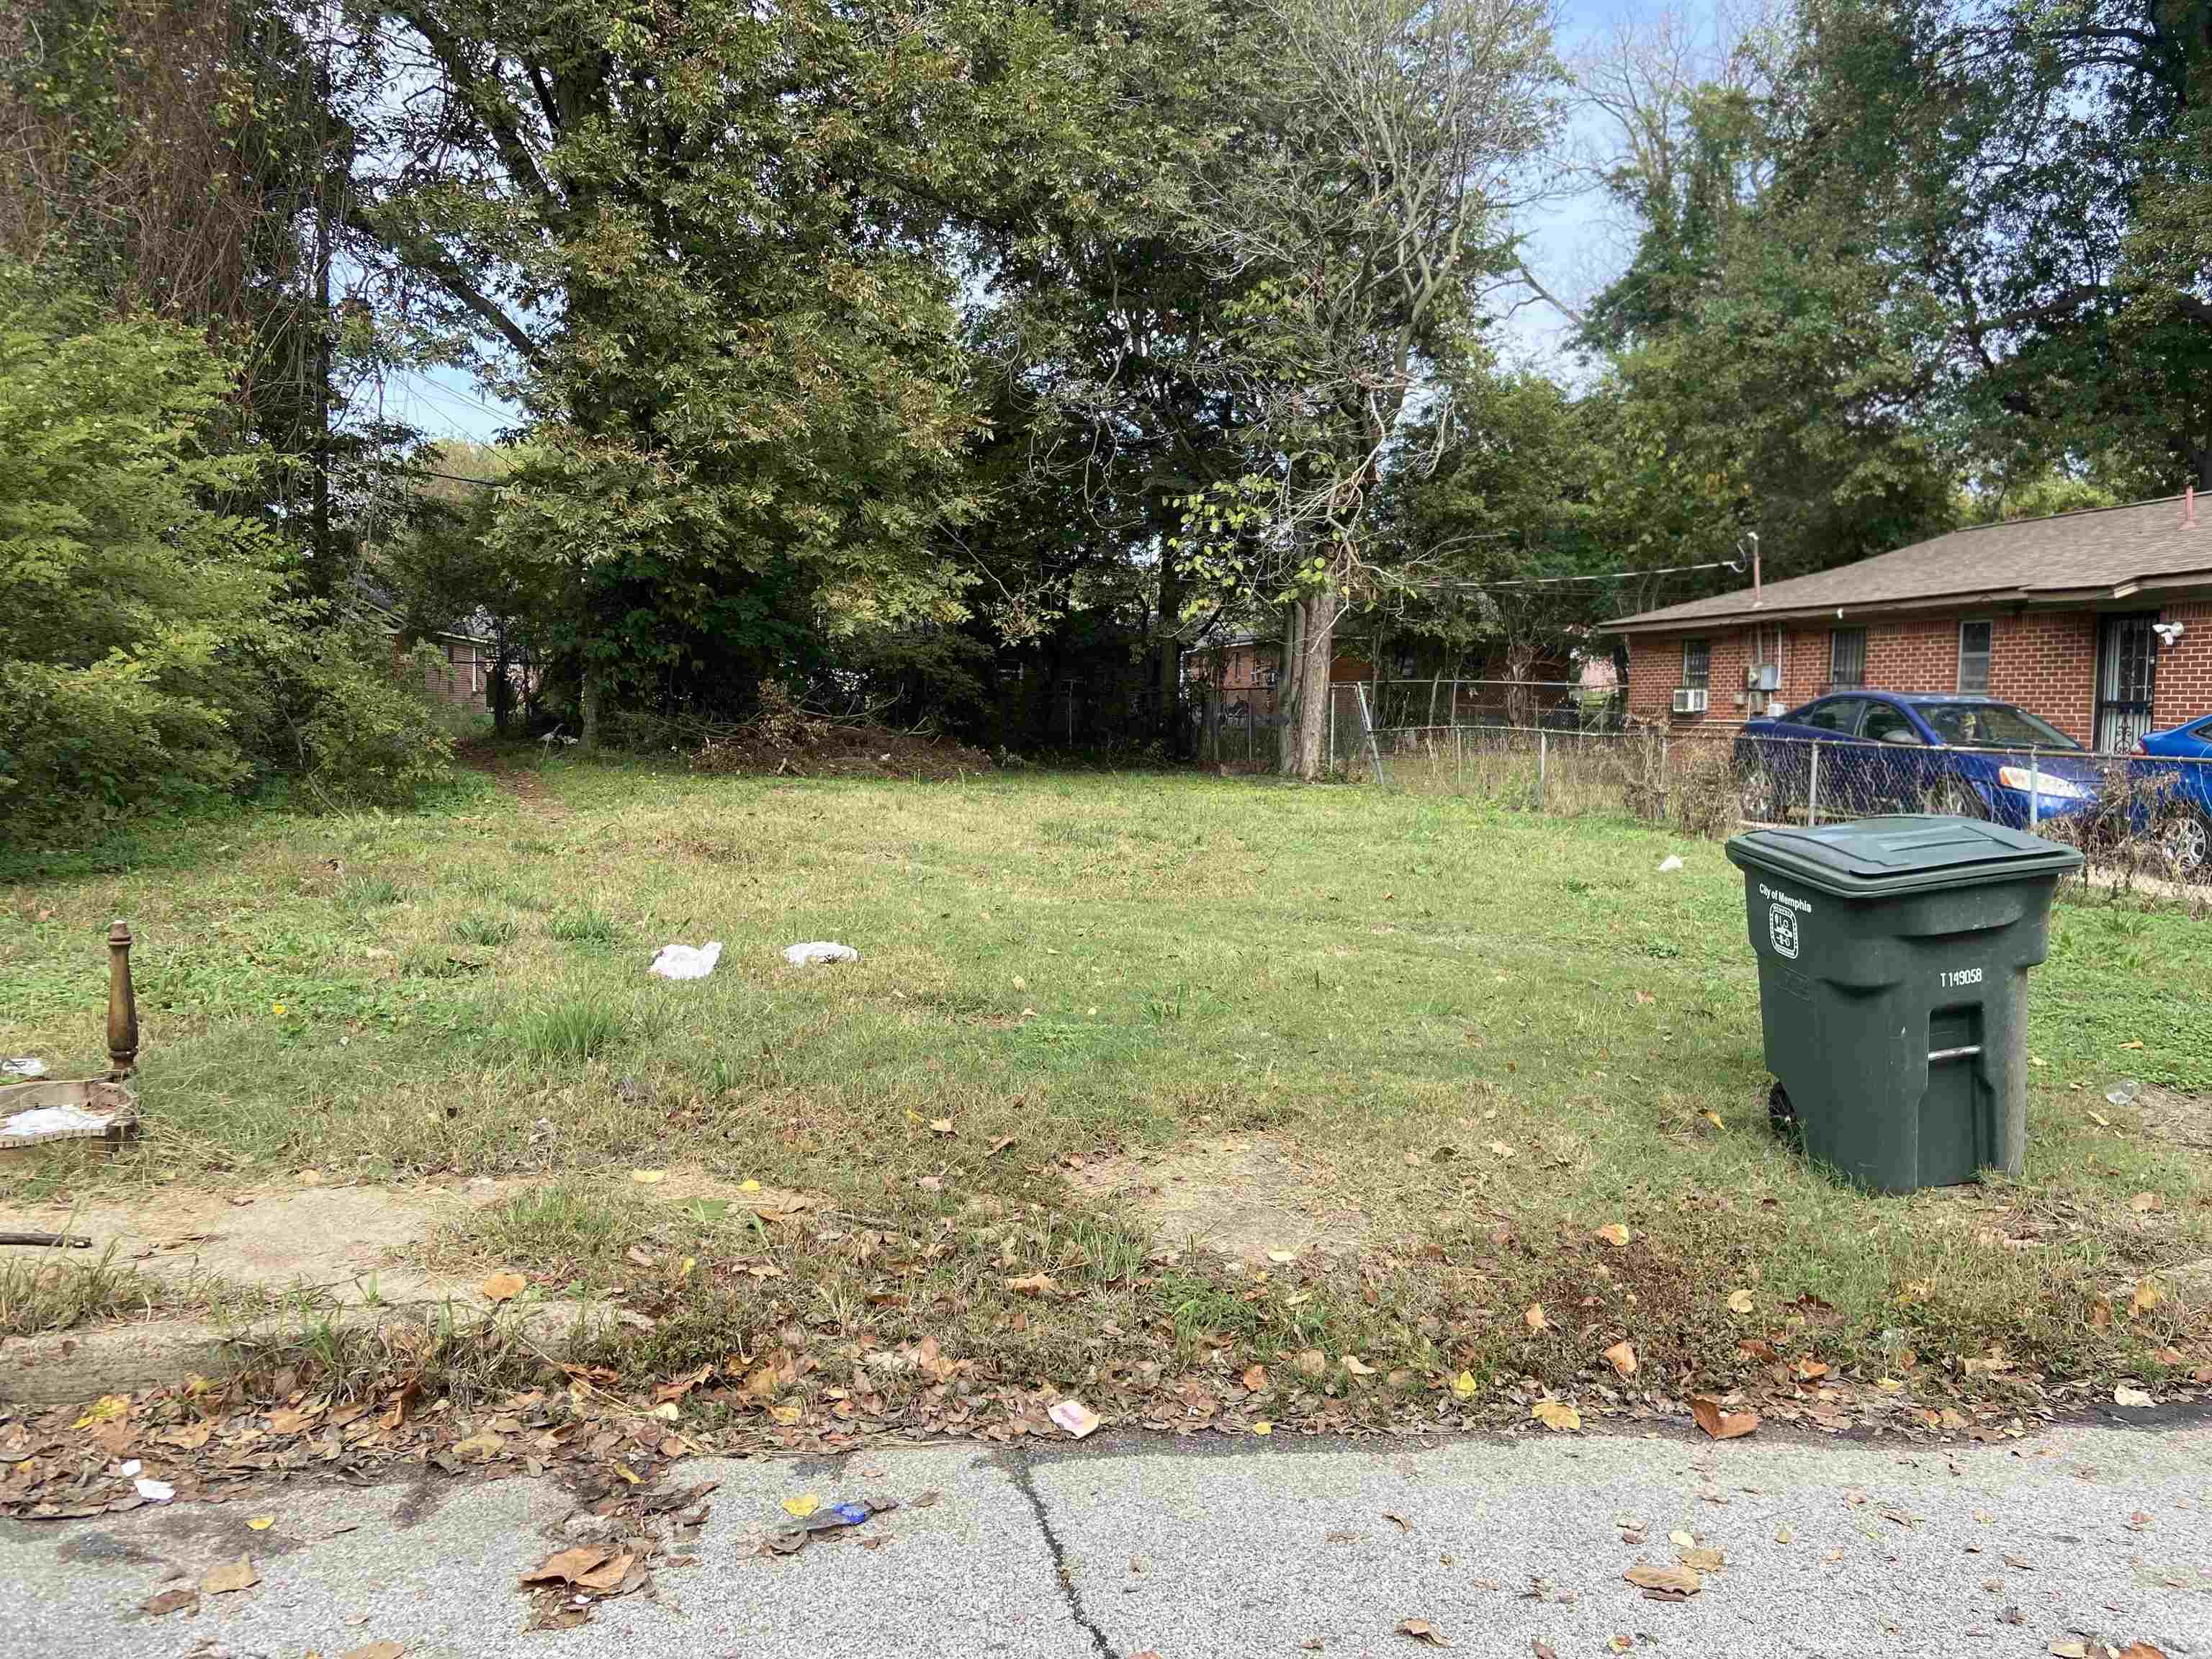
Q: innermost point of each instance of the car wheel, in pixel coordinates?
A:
(2187, 844)
(1956, 800)
(1759, 794)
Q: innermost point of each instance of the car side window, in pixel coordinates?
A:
(1886, 723)
(1839, 715)
(2203, 733)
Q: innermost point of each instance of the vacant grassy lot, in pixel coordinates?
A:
(1457, 1042)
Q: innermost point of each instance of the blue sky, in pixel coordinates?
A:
(1569, 247)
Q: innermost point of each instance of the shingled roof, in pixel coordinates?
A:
(2102, 553)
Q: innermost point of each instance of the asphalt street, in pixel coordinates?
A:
(1128, 1545)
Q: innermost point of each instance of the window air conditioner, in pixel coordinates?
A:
(1690, 700)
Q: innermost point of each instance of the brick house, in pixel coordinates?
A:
(2073, 617)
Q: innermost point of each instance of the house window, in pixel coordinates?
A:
(1847, 659)
(1697, 662)
(1974, 639)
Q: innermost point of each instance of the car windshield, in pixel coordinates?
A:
(1992, 726)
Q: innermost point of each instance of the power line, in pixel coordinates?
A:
(1603, 576)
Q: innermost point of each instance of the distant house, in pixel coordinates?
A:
(466, 678)
(2099, 621)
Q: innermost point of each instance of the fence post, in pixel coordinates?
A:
(1812, 790)
(1543, 763)
(1328, 726)
(2034, 790)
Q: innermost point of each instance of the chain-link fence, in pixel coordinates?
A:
(2139, 819)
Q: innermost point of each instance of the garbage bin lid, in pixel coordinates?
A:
(1869, 857)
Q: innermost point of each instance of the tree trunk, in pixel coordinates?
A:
(590, 701)
(1289, 690)
(1309, 670)
(1173, 733)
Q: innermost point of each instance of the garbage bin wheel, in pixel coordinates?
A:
(1781, 1114)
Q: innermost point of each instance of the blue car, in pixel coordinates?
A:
(1885, 751)
(2178, 765)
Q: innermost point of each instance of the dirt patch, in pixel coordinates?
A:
(1243, 1196)
(338, 1241)
(2182, 1120)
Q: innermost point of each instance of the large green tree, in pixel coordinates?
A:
(714, 245)
(1374, 196)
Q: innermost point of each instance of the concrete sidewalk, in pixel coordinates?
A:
(1221, 1548)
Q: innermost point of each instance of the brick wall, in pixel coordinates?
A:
(2185, 668)
(2044, 661)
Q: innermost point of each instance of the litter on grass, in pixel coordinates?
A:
(1672, 861)
(820, 949)
(684, 962)
(23, 1065)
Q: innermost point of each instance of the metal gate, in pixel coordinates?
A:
(2127, 669)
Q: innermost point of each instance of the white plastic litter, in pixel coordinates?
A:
(23, 1065)
(1670, 862)
(46, 1122)
(820, 949)
(155, 1492)
(130, 1468)
(684, 962)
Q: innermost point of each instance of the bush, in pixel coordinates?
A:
(150, 653)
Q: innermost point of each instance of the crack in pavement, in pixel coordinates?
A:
(1017, 1466)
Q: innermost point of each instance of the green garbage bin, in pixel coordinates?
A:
(1892, 976)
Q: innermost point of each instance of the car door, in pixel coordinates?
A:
(1824, 728)
(1892, 760)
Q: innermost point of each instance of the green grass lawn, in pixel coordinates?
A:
(1073, 967)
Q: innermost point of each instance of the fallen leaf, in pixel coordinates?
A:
(1613, 1234)
(1681, 1540)
(1263, 1426)
(648, 1177)
(1354, 1366)
(2069, 1650)
(1422, 1631)
(2143, 1203)
(1701, 1559)
(1036, 1283)
(1534, 1317)
(2148, 1296)
(1739, 1302)
(800, 1507)
(1000, 1146)
(1542, 1650)
(230, 1576)
(1498, 1149)
(1398, 1521)
(940, 1126)
(1720, 1424)
(1312, 1361)
(608, 1577)
(375, 1651)
(1622, 1358)
(1673, 1581)
(260, 1522)
(483, 1445)
(1464, 1385)
(171, 1600)
(1714, 1118)
(1783, 1535)
(1282, 1258)
(1556, 1414)
(567, 1567)
(1255, 1377)
(2141, 1650)
(1073, 1415)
